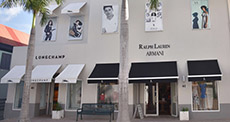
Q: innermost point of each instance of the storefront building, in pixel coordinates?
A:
(178, 54)
(9, 38)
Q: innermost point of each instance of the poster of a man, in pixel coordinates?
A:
(153, 18)
(76, 28)
(110, 19)
(49, 33)
(200, 14)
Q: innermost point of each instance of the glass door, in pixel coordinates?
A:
(55, 95)
(174, 100)
(151, 99)
(43, 96)
(44, 89)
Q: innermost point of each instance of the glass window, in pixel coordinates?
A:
(43, 96)
(5, 61)
(108, 94)
(205, 96)
(18, 95)
(73, 96)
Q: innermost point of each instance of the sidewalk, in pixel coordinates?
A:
(150, 119)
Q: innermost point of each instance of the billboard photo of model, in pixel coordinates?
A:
(153, 18)
(76, 28)
(200, 14)
(49, 33)
(110, 19)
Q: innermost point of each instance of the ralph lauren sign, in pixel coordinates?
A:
(154, 49)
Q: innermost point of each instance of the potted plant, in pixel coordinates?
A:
(57, 112)
(184, 114)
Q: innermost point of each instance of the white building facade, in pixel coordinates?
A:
(177, 63)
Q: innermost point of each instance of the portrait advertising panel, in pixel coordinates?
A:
(110, 18)
(200, 14)
(50, 29)
(76, 28)
(153, 18)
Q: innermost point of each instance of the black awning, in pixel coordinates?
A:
(203, 70)
(104, 73)
(147, 72)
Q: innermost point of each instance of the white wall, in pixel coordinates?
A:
(19, 56)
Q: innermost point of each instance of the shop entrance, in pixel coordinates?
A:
(55, 96)
(160, 99)
(45, 98)
(151, 99)
(164, 98)
(48, 97)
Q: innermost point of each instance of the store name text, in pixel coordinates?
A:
(154, 49)
(49, 57)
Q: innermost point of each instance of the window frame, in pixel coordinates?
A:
(9, 57)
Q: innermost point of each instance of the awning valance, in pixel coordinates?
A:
(104, 73)
(51, 8)
(73, 8)
(14, 75)
(44, 73)
(203, 70)
(70, 74)
(147, 72)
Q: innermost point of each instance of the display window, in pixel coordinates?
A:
(205, 96)
(73, 101)
(108, 93)
(43, 96)
(18, 95)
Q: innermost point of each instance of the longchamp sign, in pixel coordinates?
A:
(39, 57)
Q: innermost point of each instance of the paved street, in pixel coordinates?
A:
(150, 119)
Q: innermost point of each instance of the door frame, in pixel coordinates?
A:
(176, 98)
(157, 101)
(50, 93)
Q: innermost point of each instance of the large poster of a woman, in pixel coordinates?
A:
(200, 14)
(76, 28)
(49, 30)
(153, 18)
